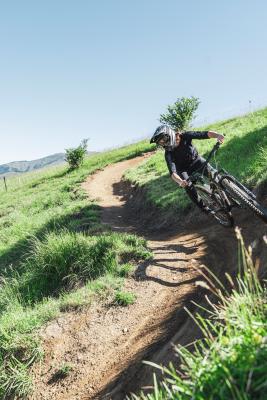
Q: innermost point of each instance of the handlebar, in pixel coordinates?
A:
(213, 151)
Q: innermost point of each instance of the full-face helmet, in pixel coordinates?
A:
(164, 136)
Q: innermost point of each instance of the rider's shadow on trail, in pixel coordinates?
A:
(176, 248)
(161, 271)
(140, 274)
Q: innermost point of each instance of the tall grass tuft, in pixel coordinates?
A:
(63, 261)
(230, 361)
(15, 379)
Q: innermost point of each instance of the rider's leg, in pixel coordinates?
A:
(200, 166)
(192, 193)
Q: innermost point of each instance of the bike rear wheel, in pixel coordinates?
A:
(244, 199)
(215, 203)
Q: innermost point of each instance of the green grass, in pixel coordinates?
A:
(15, 378)
(54, 257)
(62, 372)
(243, 154)
(230, 362)
(123, 298)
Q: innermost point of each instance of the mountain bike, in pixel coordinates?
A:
(221, 192)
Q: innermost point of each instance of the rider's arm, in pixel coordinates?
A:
(172, 169)
(203, 135)
(170, 162)
(189, 135)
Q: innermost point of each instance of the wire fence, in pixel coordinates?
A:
(13, 182)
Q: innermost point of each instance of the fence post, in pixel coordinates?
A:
(5, 183)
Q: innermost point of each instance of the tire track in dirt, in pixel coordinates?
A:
(106, 344)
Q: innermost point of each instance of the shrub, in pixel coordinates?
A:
(181, 113)
(75, 156)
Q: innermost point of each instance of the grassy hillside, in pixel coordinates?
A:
(244, 154)
(54, 256)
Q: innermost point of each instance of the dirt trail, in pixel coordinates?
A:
(106, 344)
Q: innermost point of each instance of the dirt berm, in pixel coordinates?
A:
(106, 344)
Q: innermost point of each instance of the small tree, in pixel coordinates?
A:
(75, 156)
(181, 113)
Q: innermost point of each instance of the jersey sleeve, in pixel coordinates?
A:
(170, 163)
(189, 135)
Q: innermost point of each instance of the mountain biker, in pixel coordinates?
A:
(182, 157)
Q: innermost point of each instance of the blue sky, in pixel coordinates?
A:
(105, 70)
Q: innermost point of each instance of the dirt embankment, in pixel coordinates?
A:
(105, 344)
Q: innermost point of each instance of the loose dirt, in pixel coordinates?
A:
(106, 344)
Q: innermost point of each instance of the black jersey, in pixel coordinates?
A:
(181, 157)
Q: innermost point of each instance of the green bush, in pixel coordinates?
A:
(181, 113)
(75, 156)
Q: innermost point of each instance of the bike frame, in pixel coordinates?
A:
(216, 179)
(226, 175)
(222, 173)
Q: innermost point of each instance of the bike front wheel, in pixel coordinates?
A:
(236, 193)
(216, 205)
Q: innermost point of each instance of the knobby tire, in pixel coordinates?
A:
(242, 197)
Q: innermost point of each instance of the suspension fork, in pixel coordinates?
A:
(218, 178)
(216, 186)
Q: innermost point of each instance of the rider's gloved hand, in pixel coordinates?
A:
(183, 183)
(220, 138)
(216, 135)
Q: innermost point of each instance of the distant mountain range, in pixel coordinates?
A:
(20, 167)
